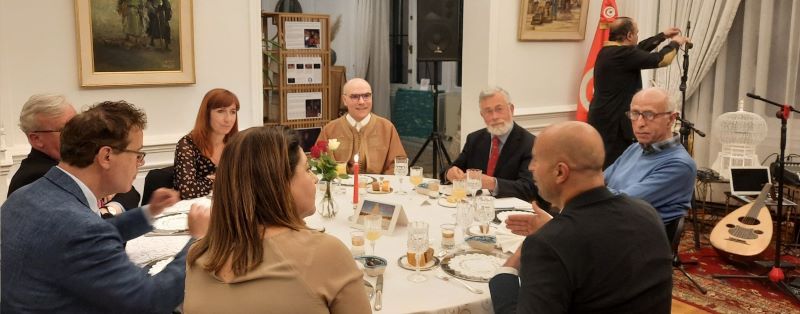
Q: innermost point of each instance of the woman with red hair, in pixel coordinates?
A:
(197, 154)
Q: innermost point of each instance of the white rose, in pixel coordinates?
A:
(333, 144)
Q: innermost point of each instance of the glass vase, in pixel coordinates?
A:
(327, 207)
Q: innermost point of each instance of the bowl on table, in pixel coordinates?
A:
(373, 265)
(482, 242)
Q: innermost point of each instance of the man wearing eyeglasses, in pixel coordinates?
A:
(42, 118)
(374, 138)
(617, 76)
(59, 256)
(657, 169)
(501, 150)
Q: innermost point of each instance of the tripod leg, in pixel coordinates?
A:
(696, 285)
(419, 153)
(788, 290)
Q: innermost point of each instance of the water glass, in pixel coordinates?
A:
(401, 170)
(474, 181)
(357, 242)
(418, 243)
(484, 212)
(464, 219)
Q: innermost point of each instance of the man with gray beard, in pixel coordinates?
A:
(502, 150)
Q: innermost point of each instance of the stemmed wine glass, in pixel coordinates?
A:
(463, 220)
(474, 181)
(484, 212)
(417, 244)
(401, 170)
(374, 228)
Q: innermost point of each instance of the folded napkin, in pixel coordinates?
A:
(508, 241)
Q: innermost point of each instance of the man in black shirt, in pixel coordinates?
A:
(617, 76)
(604, 253)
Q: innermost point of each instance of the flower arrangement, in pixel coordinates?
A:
(322, 161)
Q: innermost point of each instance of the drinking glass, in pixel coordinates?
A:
(417, 244)
(357, 242)
(459, 189)
(448, 236)
(373, 225)
(341, 169)
(484, 212)
(416, 175)
(401, 170)
(463, 220)
(474, 181)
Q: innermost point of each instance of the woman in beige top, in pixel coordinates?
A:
(258, 256)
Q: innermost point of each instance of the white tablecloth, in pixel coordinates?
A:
(400, 295)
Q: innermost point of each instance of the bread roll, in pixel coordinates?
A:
(424, 258)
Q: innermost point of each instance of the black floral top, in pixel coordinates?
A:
(192, 169)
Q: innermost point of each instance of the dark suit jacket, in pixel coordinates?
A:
(513, 177)
(38, 163)
(60, 257)
(605, 253)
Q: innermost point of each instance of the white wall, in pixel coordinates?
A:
(38, 53)
(542, 77)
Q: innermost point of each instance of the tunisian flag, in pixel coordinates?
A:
(608, 13)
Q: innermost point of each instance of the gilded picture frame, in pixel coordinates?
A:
(135, 42)
(552, 20)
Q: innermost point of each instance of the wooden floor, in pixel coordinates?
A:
(679, 307)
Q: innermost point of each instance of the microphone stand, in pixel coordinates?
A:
(776, 275)
(687, 128)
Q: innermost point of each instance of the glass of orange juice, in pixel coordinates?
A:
(459, 189)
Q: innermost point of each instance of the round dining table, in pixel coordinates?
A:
(400, 295)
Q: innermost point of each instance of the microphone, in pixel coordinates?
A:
(754, 96)
(688, 45)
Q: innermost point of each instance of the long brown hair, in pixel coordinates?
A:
(215, 98)
(251, 192)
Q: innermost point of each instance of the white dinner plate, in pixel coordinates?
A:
(443, 201)
(172, 223)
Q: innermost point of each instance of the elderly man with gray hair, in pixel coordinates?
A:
(657, 169)
(42, 118)
(502, 150)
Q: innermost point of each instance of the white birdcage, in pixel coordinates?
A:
(739, 132)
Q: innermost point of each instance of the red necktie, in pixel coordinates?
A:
(493, 155)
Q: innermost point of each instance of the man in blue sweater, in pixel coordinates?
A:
(657, 169)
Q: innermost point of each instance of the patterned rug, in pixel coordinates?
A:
(730, 295)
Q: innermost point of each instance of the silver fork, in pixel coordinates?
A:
(472, 289)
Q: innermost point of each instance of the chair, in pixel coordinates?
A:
(676, 260)
(157, 178)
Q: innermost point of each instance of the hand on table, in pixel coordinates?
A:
(455, 173)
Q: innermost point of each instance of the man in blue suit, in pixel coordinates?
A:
(59, 256)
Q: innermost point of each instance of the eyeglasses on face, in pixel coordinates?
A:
(498, 110)
(139, 155)
(648, 115)
(356, 97)
(46, 131)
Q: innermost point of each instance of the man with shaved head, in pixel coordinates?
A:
(604, 252)
(657, 169)
(617, 76)
(360, 131)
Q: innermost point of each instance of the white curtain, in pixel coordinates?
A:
(744, 47)
(372, 51)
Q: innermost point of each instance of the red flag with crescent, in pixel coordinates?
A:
(608, 13)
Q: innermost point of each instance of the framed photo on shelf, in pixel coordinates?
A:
(552, 20)
(127, 42)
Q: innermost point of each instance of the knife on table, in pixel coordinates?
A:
(379, 293)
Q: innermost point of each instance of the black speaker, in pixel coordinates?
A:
(439, 30)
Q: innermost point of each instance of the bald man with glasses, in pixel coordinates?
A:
(374, 138)
(657, 169)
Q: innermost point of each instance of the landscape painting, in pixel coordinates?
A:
(552, 20)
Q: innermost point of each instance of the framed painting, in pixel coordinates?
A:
(135, 42)
(551, 20)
